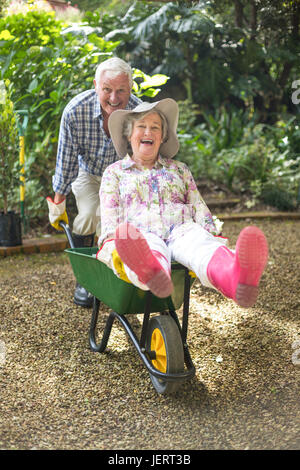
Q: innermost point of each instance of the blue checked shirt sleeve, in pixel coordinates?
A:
(67, 156)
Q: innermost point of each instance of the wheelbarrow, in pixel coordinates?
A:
(162, 345)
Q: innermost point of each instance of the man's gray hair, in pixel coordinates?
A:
(114, 66)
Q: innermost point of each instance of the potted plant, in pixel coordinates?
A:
(10, 222)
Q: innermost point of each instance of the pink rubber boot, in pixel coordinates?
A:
(237, 275)
(149, 265)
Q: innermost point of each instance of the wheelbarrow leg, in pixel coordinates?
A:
(92, 334)
(186, 306)
(184, 327)
(146, 320)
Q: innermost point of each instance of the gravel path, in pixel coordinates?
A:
(57, 394)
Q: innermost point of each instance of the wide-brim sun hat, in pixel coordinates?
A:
(168, 107)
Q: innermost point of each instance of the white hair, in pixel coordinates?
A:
(114, 66)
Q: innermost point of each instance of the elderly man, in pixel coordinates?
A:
(85, 149)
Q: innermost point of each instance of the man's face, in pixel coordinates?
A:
(113, 93)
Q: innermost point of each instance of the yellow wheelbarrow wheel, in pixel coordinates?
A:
(166, 350)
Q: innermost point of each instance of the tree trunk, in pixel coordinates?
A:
(238, 13)
(253, 19)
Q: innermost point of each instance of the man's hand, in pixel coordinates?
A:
(57, 213)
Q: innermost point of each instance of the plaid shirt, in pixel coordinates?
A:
(82, 140)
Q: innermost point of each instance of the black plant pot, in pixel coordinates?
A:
(10, 229)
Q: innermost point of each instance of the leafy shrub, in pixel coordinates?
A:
(255, 158)
(47, 64)
(202, 143)
(278, 197)
(45, 69)
(9, 148)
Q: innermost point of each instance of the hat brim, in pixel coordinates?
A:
(168, 107)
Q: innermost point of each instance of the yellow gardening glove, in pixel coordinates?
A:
(57, 213)
(119, 266)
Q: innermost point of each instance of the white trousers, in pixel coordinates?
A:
(86, 191)
(193, 249)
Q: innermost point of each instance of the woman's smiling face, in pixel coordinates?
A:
(146, 139)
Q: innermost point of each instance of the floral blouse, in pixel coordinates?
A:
(156, 200)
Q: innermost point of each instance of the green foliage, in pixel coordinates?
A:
(3, 5)
(203, 143)
(115, 7)
(164, 38)
(9, 148)
(47, 64)
(145, 85)
(241, 54)
(258, 159)
(46, 68)
(277, 196)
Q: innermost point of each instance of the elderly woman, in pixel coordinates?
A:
(152, 213)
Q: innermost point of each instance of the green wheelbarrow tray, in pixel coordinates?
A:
(100, 281)
(124, 299)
